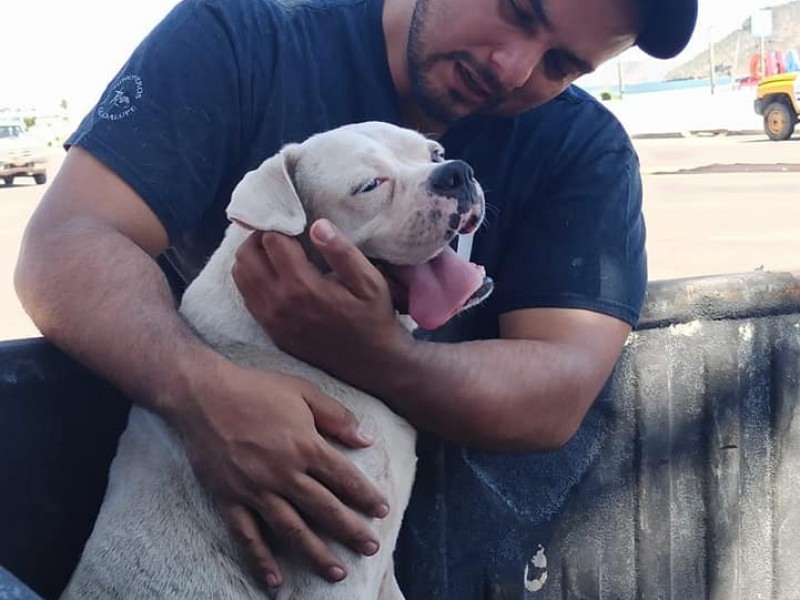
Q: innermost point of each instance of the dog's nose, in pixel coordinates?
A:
(450, 177)
(454, 179)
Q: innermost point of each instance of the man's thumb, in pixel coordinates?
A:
(352, 268)
(323, 231)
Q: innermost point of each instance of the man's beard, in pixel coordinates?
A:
(441, 106)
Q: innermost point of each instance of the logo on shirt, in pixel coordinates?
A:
(121, 99)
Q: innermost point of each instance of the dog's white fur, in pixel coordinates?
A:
(157, 534)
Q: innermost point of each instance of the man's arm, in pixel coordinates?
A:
(87, 277)
(529, 390)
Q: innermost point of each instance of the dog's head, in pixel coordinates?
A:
(389, 190)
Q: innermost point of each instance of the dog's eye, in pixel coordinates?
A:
(369, 186)
(437, 155)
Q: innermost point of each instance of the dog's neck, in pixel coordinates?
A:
(213, 305)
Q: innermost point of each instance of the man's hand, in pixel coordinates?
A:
(264, 460)
(333, 321)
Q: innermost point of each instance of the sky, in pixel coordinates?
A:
(70, 49)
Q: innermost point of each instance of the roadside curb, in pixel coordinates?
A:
(671, 135)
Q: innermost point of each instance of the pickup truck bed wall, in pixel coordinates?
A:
(695, 493)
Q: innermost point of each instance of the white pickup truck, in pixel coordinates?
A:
(20, 155)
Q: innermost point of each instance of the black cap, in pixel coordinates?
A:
(667, 26)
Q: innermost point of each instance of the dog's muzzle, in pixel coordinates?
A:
(455, 179)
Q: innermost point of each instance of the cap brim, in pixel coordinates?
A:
(668, 26)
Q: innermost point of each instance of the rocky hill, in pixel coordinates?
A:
(732, 54)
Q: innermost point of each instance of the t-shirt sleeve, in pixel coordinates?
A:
(582, 243)
(170, 122)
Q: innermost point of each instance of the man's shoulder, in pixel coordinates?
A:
(579, 100)
(269, 29)
(579, 119)
(279, 9)
(294, 6)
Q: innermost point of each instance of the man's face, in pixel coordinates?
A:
(504, 56)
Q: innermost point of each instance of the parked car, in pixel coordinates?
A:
(778, 100)
(21, 154)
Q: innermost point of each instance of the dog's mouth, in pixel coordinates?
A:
(434, 292)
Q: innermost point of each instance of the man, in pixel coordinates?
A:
(219, 86)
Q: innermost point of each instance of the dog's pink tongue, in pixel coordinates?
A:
(439, 288)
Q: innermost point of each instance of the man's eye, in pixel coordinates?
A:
(519, 16)
(369, 186)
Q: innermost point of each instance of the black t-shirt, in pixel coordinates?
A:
(220, 85)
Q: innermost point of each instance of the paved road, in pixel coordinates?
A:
(721, 205)
(713, 205)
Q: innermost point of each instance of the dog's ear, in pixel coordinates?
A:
(266, 199)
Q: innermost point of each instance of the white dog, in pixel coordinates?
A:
(388, 189)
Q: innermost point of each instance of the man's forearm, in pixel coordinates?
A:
(84, 285)
(495, 394)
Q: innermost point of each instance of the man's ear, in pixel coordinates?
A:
(265, 199)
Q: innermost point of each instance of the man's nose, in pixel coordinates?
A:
(514, 63)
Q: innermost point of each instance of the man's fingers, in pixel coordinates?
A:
(244, 527)
(353, 269)
(328, 513)
(284, 252)
(334, 471)
(288, 526)
(252, 264)
(333, 420)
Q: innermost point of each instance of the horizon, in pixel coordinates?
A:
(72, 50)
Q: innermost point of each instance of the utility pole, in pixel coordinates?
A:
(761, 27)
(711, 60)
(620, 83)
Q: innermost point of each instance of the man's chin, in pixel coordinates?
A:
(454, 113)
(447, 107)
(440, 114)
(460, 109)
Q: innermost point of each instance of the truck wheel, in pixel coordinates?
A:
(40, 178)
(8, 180)
(778, 122)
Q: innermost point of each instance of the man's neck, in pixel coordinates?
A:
(415, 118)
